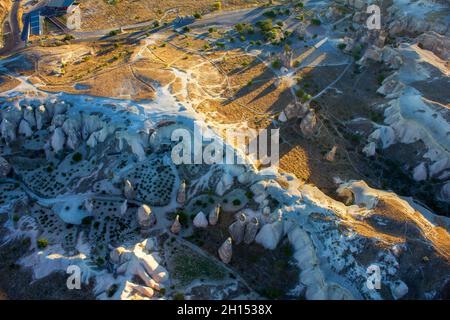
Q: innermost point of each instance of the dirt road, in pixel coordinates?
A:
(12, 32)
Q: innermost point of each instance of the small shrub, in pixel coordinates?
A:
(197, 15)
(100, 261)
(68, 37)
(217, 5)
(183, 218)
(86, 220)
(42, 243)
(112, 290)
(236, 202)
(114, 33)
(276, 64)
(77, 157)
(316, 22)
(178, 296)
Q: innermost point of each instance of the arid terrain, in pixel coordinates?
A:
(87, 176)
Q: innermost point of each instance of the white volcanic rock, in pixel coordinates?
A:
(41, 117)
(316, 292)
(8, 131)
(59, 107)
(58, 120)
(385, 134)
(139, 262)
(246, 177)
(370, 149)
(373, 53)
(25, 129)
(411, 19)
(391, 87)
(91, 123)
(331, 154)
(176, 226)
(72, 128)
(13, 114)
(439, 166)
(445, 192)
(128, 190)
(200, 220)
(89, 205)
(312, 276)
(308, 124)
(5, 167)
(92, 141)
(266, 216)
(237, 228)
(224, 184)
(399, 289)
(28, 115)
(145, 216)
(336, 292)
(438, 44)
(213, 216)
(123, 207)
(119, 255)
(251, 230)
(226, 251)
(270, 234)
(295, 110)
(420, 172)
(133, 291)
(58, 140)
(97, 137)
(132, 139)
(181, 194)
(282, 117)
(391, 57)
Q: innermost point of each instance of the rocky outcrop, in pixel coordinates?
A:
(58, 140)
(213, 216)
(139, 262)
(331, 155)
(270, 234)
(200, 220)
(438, 44)
(176, 226)
(237, 228)
(72, 129)
(145, 217)
(181, 194)
(8, 131)
(226, 251)
(5, 167)
(128, 190)
(25, 128)
(251, 230)
(308, 124)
